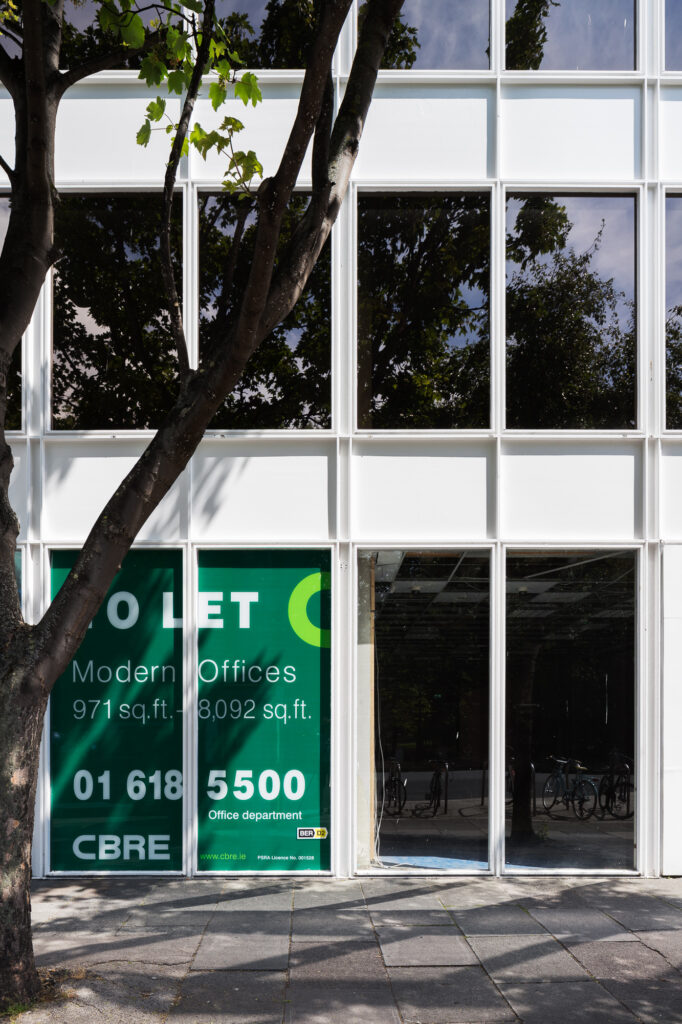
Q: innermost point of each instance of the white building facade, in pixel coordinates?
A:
(502, 548)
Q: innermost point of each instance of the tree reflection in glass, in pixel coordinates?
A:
(570, 694)
(423, 310)
(571, 312)
(440, 34)
(13, 414)
(570, 35)
(113, 360)
(673, 305)
(287, 381)
(269, 33)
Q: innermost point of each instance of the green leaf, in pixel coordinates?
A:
(217, 93)
(156, 109)
(247, 89)
(231, 125)
(152, 70)
(108, 20)
(133, 31)
(144, 134)
(194, 5)
(177, 80)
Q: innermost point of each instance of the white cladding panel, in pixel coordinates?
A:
(672, 711)
(424, 491)
(671, 492)
(79, 480)
(265, 492)
(555, 492)
(435, 133)
(109, 120)
(572, 133)
(670, 134)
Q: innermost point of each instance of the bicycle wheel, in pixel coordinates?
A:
(621, 800)
(551, 792)
(393, 804)
(434, 793)
(604, 794)
(585, 798)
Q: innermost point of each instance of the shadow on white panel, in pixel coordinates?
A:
(266, 492)
(18, 488)
(78, 483)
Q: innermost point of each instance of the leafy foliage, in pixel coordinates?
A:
(526, 34)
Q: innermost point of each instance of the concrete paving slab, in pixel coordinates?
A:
(525, 958)
(239, 997)
(447, 995)
(403, 946)
(654, 1002)
(324, 925)
(339, 984)
(243, 940)
(668, 944)
(399, 896)
(335, 895)
(269, 896)
(580, 924)
(572, 1002)
(641, 912)
(497, 920)
(624, 961)
(66, 949)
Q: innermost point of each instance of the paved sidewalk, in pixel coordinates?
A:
(374, 951)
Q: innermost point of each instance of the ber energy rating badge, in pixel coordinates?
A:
(116, 726)
(264, 672)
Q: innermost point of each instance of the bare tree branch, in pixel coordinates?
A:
(174, 303)
(9, 171)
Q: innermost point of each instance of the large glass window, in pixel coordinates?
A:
(13, 414)
(423, 656)
(440, 34)
(423, 311)
(570, 708)
(570, 35)
(673, 305)
(114, 363)
(269, 33)
(571, 312)
(287, 381)
(673, 35)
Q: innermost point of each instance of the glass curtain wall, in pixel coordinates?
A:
(570, 710)
(423, 709)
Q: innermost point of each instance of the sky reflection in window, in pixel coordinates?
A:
(570, 35)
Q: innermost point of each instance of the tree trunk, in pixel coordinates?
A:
(20, 734)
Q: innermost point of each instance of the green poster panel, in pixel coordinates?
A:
(116, 726)
(263, 711)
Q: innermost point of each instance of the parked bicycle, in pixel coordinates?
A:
(395, 789)
(616, 787)
(567, 787)
(438, 791)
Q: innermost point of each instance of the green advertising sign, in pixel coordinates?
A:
(116, 726)
(263, 709)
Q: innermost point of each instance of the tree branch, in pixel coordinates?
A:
(103, 62)
(174, 304)
(7, 169)
(330, 188)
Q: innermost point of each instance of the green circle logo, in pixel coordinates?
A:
(298, 610)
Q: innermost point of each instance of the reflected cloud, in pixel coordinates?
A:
(450, 35)
(596, 35)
